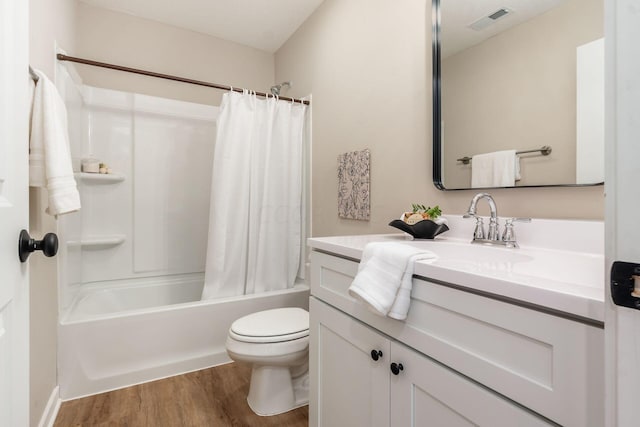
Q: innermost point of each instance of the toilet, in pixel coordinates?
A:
(276, 342)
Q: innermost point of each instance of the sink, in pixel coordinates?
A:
(523, 265)
(476, 254)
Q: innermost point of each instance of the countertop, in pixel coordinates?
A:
(559, 280)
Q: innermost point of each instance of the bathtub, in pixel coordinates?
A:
(114, 336)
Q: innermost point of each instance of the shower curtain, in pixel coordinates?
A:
(256, 197)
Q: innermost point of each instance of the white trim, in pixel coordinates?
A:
(51, 410)
(610, 135)
(622, 117)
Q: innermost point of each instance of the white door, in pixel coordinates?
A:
(14, 290)
(622, 185)
(348, 387)
(426, 394)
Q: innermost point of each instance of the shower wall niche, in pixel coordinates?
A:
(149, 217)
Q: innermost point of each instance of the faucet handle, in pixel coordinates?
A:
(509, 235)
(512, 220)
(494, 229)
(478, 233)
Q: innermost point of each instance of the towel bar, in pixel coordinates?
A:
(544, 150)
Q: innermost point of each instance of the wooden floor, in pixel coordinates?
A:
(211, 397)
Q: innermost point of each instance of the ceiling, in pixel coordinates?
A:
(267, 24)
(262, 24)
(458, 15)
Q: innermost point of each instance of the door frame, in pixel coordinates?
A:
(622, 201)
(14, 210)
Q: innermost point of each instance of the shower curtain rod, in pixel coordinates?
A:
(62, 57)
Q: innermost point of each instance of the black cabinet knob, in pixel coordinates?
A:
(396, 368)
(376, 354)
(48, 245)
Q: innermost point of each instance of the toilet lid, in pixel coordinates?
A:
(280, 324)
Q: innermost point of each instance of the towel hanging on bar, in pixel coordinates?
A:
(545, 150)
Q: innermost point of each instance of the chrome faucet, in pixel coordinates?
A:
(493, 237)
(494, 234)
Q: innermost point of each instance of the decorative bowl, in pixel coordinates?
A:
(425, 229)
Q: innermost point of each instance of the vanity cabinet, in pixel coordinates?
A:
(349, 387)
(363, 378)
(467, 358)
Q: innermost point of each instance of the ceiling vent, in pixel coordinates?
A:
(488, 20)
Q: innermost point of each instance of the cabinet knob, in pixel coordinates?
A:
(48, 245)
(376, 354)
(396, 368)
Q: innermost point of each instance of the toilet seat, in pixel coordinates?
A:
(271, 326)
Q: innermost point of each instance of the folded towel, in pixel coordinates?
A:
(400, 306)
(497, 169)
(385, 275)
(49, 153)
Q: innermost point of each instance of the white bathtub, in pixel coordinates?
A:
(117, 336)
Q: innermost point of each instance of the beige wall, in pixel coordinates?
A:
(127, 40)
(367, 64)
(517, 90)
(50, 22)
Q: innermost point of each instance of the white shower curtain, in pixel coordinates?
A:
(256, 197)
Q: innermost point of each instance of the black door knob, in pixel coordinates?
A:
(396, 368)
(48, 245)
(376, 354)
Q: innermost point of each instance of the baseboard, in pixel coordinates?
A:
(51, 410)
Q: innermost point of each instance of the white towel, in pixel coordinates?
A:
(497, 169)
(385, 275)
(49, 153)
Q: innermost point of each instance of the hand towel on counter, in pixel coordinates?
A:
(49, 153)
(497, 169)
(385, 275)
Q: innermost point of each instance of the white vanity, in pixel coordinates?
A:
(494, 336)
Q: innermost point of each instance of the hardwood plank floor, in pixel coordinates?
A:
(211, 397)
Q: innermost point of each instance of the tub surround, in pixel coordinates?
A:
(102, 300)
(495, 325)
(129, 227)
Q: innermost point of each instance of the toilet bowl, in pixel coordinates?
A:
(276, 342)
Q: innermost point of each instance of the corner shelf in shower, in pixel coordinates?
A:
(99, 178)
(102, 242)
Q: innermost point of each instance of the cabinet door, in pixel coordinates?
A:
(426, 394)
(348, 387)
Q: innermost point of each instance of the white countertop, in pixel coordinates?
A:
(562, 280)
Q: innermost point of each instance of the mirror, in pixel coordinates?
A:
(523, 76)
